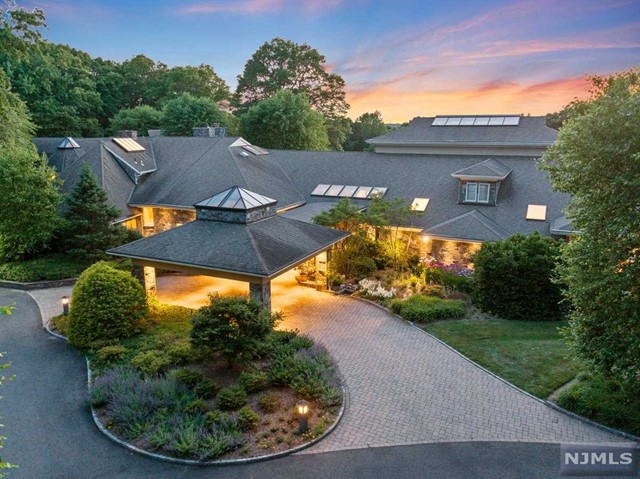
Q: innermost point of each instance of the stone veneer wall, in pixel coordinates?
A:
(452, 252)
(235, 216)
(164, 219)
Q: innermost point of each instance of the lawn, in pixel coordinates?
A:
(530, 354)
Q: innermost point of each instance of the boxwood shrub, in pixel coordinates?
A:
(424, 309)
(107, 304)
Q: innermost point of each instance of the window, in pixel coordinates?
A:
(320, 190)
(420, 204)
(537, 212)
(477, 193)
(483, 193)
(348, 191)
(334, 190)
(362, 192)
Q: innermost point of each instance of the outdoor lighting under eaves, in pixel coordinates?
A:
(425, 239)
(65, 305)
(303, 410)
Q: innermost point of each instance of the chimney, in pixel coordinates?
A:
(210, 131)
(153, 133)
(127, 134)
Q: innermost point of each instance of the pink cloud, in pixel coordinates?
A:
(253, 7)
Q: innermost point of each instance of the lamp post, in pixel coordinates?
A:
(65, 305)
(303, 409)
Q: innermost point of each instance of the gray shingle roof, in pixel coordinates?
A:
(263, 248)
(472, 225)
(532, 131)
(68, 163)
(190, 169)
(429, 176)
(487, 169)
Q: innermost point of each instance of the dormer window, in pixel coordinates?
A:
(477, 192)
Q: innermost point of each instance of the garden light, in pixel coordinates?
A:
(65, 305)
(303, 409)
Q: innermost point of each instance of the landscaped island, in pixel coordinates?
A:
(214, 383)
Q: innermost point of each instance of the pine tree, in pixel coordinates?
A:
(88, 230)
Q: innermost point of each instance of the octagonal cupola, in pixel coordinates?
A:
(236, 205)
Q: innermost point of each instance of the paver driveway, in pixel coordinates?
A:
(404, 387)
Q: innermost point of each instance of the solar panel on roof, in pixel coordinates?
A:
(377, 191)
(129, 145)
(362, 192)
(334, 190)
(320, 190)
(348, 191)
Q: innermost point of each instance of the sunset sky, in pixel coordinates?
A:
(405, 58)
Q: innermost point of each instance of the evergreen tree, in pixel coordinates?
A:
(88, 230)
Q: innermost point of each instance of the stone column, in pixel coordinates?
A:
(261, 293)
(150, 287)
(321, 271)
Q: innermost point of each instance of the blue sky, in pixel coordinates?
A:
(405, 58)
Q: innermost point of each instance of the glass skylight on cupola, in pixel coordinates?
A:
(236, 198)
(68, 143)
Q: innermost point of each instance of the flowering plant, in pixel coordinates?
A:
(375, 289)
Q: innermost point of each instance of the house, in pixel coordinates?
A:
(471, 178)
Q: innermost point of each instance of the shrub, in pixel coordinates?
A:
(60, 322)
(151, 362)
(423, 309)
(436, 290)
(181, 352)
(234, 326)
(187, 376)
(247, 419)
(196, 406)
(39, 269)
(269, 402)
(513, 278)
(206, 388)
(107, 304)
(253, 381)
(604, 401)
(109, 354)
(232, 397)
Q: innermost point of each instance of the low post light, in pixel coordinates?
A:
(65, 305)
(303, 410)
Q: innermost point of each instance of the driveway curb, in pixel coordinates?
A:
(194, 462)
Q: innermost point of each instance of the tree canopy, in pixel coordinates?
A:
(285, 65)
(141, 118)
(30, 197)
(596, 159)
(285, 121)
(184, 113)
(367, 125)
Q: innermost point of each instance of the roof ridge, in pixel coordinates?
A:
(254, 243)
(489, 223)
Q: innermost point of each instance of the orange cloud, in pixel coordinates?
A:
(495, 97)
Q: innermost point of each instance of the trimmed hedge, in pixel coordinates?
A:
(52, 268)
(107, 305)
(514, 278)
(424, 309)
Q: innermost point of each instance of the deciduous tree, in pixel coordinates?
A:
(367, 125)
(184, 113)
(141, 118)
(596, 159)
(285, 121)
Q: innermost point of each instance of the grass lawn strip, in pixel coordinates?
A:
(531, 355)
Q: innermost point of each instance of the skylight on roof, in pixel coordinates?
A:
(334, 190)
(537, 212)
(320, 190)
(349, 191)
(68, 143)
(420, 204)
(128, 144)
(256, 150)
(237, 199)
(476, 121)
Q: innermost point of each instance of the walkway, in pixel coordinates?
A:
(404, 387)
